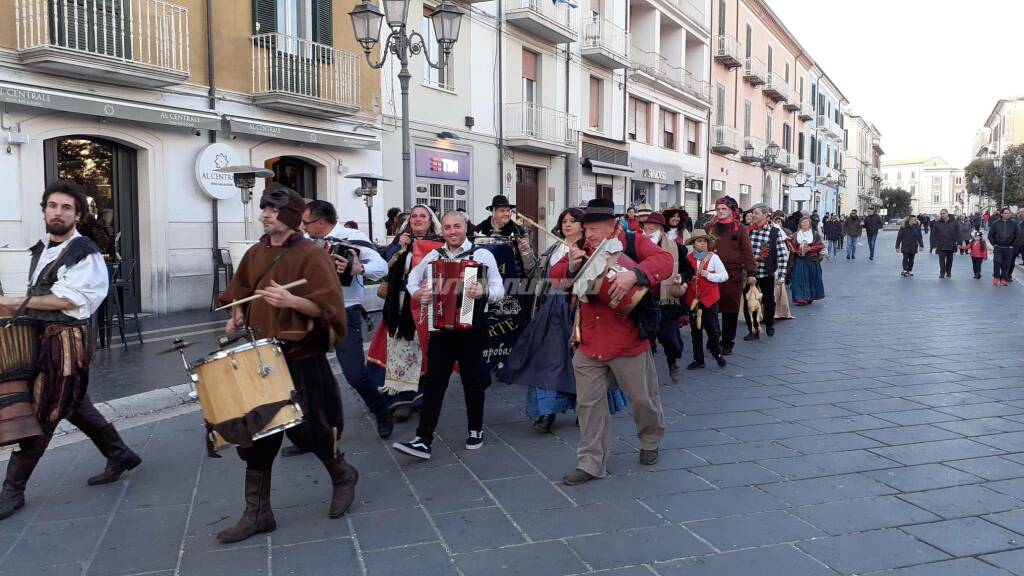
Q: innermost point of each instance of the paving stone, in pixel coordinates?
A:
(864, 514)
(833, 397)
(538, 559)
(718, 406)
(830, 464)
(392, 528)
(73, 569)
(643, 545)
(622, 464)
(1010, 442)
(1012, 561)
(781, 560)
(525, 494)
(910, 434)
(434, 488)
(923, 477)
(809, 413)
(496, 461)
(713, 504)
(990, 468)
(847, 423)
(148, 540)
(958, 567)
(871, 551)
(967, 537)
(752, 530)
(231, 561)
(323, 557)
(745, 452)
(718, 421)
(1013, 520)
(38, 546)
(829, 443)
(940, 451)
(690, 439)
(636, 486)
(409, 561)
(306, 523)
(1013, 487)
(880, 406)
(471, 530)
(982, 426)
(961, 501)
(621, 514)
(730, 475)
(828, 489)
(982, 410)
(769, 431)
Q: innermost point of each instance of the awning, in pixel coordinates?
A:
(106, 107)
(302, 133)
(607, 168)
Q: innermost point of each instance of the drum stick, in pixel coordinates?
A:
(542, 229)
(287, 286)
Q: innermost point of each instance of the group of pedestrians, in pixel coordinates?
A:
(846, 231)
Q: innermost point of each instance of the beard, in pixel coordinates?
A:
(58, 228)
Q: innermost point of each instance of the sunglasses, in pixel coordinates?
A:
(308, 222)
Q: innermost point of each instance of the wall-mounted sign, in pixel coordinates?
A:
(216, 184)
(435, 163)
(654, 174)
(655, 171)
(800, 193)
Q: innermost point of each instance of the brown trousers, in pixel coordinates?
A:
(638, 379)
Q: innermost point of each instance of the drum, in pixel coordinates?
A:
(244, 384)
(19, 342)
(594, 278)
(603, 287)
(17, 416)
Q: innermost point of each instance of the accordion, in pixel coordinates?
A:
(453, 308)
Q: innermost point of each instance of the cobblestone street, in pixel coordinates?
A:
(881, 432)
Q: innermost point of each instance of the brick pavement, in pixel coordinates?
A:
(882, 432)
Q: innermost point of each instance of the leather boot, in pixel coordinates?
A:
(257, 517)
(120, 458)
(19, 469)
(343, 477)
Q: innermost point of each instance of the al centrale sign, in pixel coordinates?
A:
(215, 184)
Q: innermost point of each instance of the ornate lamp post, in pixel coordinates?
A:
(366, 21)
(768, 158)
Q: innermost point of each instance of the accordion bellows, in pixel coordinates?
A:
(452, 307)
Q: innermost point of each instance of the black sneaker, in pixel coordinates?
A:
(751, 337)
(770, 330)
(417, 448)
(475, 440)
(721, 361)
(695, 365)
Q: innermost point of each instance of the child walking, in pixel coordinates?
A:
(702, 298)
(979, 253)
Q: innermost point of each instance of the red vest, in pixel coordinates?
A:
(701, 288)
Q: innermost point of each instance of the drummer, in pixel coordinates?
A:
(611, 345)
(68, 284)
(307, 319)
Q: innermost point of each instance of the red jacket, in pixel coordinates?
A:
(979, 250)
(604, 333)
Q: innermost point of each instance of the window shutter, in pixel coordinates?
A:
(595, 102)
(323, 22)
(721, 17)
(529, 65)
(631, 118)
(264, 16)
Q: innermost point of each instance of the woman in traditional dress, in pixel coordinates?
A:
(676, 229)
(806, 247)
(397, 357)
(542, 356)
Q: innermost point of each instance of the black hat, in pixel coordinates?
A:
(500, 201)
(599, 209)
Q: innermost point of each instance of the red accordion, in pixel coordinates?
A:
(453, 308)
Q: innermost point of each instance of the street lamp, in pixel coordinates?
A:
(767, 158)
(366, 23)
(997, 163)
(367, 190)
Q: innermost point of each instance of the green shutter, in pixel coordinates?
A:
(721, 17)
(264, 16)
(323, 22)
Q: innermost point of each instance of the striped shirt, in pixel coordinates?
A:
(759, 241)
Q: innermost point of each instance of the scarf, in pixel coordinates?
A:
(700, 256)
(805, 237)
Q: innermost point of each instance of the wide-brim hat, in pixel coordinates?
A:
(657, 218)
(599, 209)
(670, 212)
(500, 201)
(643, 210)
(699, 234)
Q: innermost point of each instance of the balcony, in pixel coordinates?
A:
(786, 162)
(298, 75)
(691, 10)
(793, 102)
(654, 69)
(725, 140)
(727, 51)
(139, 43)
(775, 88)
(753, 150)
(754, 72)
(805, 112)
(550, 21)
(604, 43)
(825, 175)
(538, 129)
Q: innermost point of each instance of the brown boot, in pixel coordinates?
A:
(257, 517)
(344, 477)
(19, 469)
(120, 458)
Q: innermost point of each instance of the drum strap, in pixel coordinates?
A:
(273, 263)
(240, 430)
(8, 400)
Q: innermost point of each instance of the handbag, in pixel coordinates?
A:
(782, 311)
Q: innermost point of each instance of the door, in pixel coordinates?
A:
(294, 173)
(108, 174)
(527, 195)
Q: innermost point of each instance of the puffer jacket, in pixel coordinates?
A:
(833, 229)
(945, 235)
(909, 239)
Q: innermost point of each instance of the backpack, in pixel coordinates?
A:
(647, 313)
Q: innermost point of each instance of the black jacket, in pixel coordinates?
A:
(1005, 234)
(945, 235)
(833, 229)
(873, 223)
(909, 239)
(509, 230)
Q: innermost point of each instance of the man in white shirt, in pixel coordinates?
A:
(68, 283)
(320, 221)
(447, 347)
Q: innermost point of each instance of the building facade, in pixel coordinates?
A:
(140, 101)
(861, 163)
(1003, 128)
(933, 184)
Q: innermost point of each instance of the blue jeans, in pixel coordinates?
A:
(353, 363)
(851, 246)
(832, 244)
(871, 243)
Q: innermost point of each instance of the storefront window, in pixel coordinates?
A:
(668, 195)
(641, 193)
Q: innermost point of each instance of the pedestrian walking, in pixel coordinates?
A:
(909, 241)
(966, 232)
(833, 229)
(978, 249)
(944, 239)
(872, 224)
(702, 298)
(1004, 234)
(806, 281)
(768, 243)
(735, 251)
(852, 229)
(1020, 243)
(670, 292)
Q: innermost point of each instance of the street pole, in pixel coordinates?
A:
(1002, 195)
(403, 80)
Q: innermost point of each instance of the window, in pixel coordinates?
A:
(744, 189)
(787, 72)
(692, 137)
(800, 146)
(769, 59)
(814, 150)
(913, 190)
(595, 103)
(787, 137)
(432, 76)
(935, 198)
(295, 18)
(768, 127)
(721, 17)
(936, 181)
(746, 118)
(720, 106)
(749, 41)
(636, 121)
(801, 89)
(668, 129)
(530, 75)
(440, 193)
(814, 94)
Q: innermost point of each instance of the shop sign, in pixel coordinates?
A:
(301, 134)
(217, 185)
(434, 163)
(654, 174)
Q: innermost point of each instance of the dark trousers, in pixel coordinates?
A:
(445, 349)
(976, 263)
(1002, 262)
(871, 243)
(729, 322)
(767, 287)
(946, 261)
(353, 363)
(668, 333)
(321, 410)
(709, 326)
(908, 261)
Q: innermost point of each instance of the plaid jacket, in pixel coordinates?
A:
(759, 241)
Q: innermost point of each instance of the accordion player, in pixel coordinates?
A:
(452, 307)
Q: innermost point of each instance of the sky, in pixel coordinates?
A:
(926, 73)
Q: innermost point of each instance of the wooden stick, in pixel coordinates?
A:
(542, 229)
(287, 286)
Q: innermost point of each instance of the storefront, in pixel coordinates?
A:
(657, 184)
(442, 179)
(604, 172)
